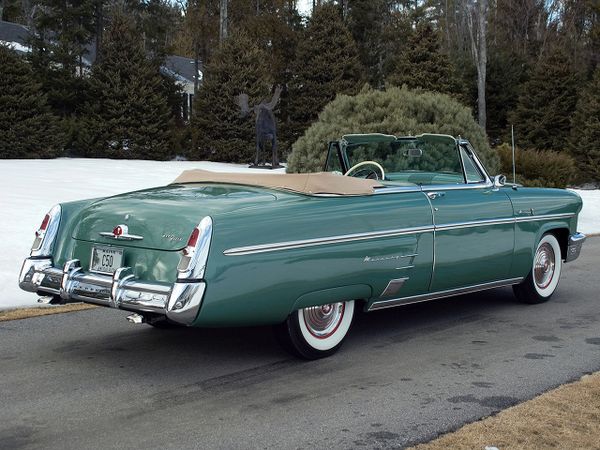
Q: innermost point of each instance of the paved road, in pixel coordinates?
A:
(91, 380)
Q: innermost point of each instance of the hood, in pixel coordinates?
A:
(163, 217)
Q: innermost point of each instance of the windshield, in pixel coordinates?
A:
(427, 159)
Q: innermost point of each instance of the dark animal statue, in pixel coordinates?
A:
(266, 128)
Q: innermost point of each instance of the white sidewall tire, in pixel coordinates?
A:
(553, 242)
(331, 341)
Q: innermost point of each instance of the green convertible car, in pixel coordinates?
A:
(391, 221)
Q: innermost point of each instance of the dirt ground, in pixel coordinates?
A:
(566, 418)
(24, 313)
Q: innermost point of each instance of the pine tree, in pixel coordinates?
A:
(219, 131)
(63, 29)
(585, 131)
(546, 103)
(128, 115)
(326, 64)
(422, 63)
(27, 127)
(506, 72)
(367, 23)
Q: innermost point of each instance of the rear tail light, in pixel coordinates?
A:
(46, 233)
(195, 254)
(192, 241)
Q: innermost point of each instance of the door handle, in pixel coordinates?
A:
(434, 195)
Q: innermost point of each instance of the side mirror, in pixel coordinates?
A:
(499, 181)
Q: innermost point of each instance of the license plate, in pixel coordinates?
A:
(106, 259)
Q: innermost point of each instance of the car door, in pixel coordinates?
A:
(474, 229)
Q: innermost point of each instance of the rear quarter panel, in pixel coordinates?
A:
(527, 234)
(264, 288)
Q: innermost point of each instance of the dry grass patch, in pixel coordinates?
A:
(24, 313)
(566, 418)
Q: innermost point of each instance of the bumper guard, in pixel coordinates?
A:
(574, 249)
(179, 302)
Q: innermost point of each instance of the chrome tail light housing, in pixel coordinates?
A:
(195, 254)
(46, 234)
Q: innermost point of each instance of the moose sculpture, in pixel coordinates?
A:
(266, 128)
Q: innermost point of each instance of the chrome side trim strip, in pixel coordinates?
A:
(544, 217)
(263, 248)
(287, 245)
(473, 223)
(382, 304)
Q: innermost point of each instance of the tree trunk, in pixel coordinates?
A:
(99, 30)
(477, 34)
(482, 63)
(223, 21)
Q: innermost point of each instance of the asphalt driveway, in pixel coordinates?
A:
(91, 380)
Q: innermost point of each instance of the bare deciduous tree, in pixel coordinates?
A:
(476, 12)
(223, 21)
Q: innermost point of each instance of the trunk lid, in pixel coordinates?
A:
(163, 217)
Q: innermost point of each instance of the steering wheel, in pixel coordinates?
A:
(366, 163)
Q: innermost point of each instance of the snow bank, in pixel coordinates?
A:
(589, 218)
(29, 188)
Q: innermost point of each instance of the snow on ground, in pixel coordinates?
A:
(29, 188)
(589, 218)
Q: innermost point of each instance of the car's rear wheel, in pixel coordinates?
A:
(317, 331)
(544, 276)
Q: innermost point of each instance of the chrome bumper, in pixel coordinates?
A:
(574, 249)
(179, 301)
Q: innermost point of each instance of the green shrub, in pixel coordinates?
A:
(538, 168)
(397, 111)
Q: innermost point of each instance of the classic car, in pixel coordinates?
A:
(391, 221)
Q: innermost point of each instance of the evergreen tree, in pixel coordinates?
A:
(326, 64)
(219, 131)
(546, 104)
(506, 72)
(367, 23)
(59, 45)
(27, 127)
(585, 131)
(422, 64)
(275, 25)
(128, 115)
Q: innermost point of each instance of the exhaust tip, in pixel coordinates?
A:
(136, 318)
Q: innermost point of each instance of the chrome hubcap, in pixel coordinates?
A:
(543, 269)
(323, 321)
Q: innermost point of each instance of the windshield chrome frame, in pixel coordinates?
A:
(487, 183)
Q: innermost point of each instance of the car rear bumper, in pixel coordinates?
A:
(179, 302)
(574, 249)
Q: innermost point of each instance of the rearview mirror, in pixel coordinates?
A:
(499, 181)
(413, 152)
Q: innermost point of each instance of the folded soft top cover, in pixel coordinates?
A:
(305, 183)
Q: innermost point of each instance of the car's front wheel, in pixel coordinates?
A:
(543, 279)
(317, 331)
